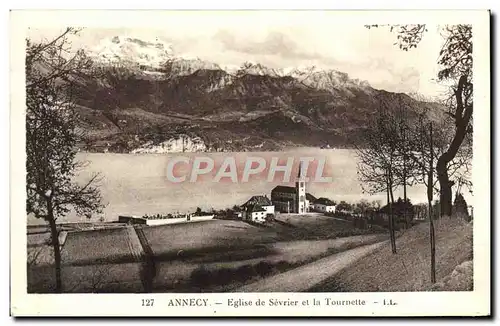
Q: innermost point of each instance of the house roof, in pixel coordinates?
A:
(324, 201)
(310, 197)
(258, 200)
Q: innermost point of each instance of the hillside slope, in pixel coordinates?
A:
(409, 269)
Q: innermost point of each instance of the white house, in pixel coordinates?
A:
(257, 208)
(324, 205)
(256, 213)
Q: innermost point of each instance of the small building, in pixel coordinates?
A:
(256, 213)
(162, 220)
(310, 199)
(324, 205)
(132, 219)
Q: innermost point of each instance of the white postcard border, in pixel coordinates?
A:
(476, 302)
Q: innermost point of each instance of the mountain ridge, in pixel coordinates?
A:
(135, 103)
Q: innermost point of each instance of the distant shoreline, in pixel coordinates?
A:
(284, 149)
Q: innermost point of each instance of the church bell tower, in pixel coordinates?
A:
(300, 187)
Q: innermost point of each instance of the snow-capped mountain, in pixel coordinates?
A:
(258, 69)
(157, 57)
(325, 79)
(310, 76)
(185, 66)
(148, 55)
(151, 53)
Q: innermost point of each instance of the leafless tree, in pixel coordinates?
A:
(427, 141)
(52, 71)
(455, 59)
(377, 162)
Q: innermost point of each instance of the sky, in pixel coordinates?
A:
(290, 40)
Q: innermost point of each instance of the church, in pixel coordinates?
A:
(292, 199)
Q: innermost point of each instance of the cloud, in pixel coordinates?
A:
(278, 49)
(386, 74)
(274, 43)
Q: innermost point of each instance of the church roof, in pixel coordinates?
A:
(285, 189)
(292, 190)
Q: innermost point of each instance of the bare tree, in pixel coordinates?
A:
(52, 70)
(377, 161)
(406, 169)
(455, 59)
(430, 182)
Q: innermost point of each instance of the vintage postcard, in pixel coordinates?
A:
(250, 163)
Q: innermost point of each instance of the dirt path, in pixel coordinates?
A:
(305, 277)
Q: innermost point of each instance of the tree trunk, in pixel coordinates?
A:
(405, 215)
(57, 250)
(433, 243)
(390, 202)
(391, 222)
(404, 181)
(445, 198)
(462, 117)
(430, 181)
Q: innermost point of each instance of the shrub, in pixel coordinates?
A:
(283, 265)
(201, 277)
(245, 272)
(223, 276)
(264, 268)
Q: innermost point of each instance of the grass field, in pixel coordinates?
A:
(101, 260)
(409, 269)
(90, 247)
(315, 226)
(181, 240)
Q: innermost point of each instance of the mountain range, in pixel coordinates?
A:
(143, 97)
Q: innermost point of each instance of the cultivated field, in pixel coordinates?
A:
(95, 246)
(314, 226)
(189, 238)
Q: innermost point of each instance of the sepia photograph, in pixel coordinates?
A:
(253, 152)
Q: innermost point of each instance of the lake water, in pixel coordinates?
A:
(137, 184)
